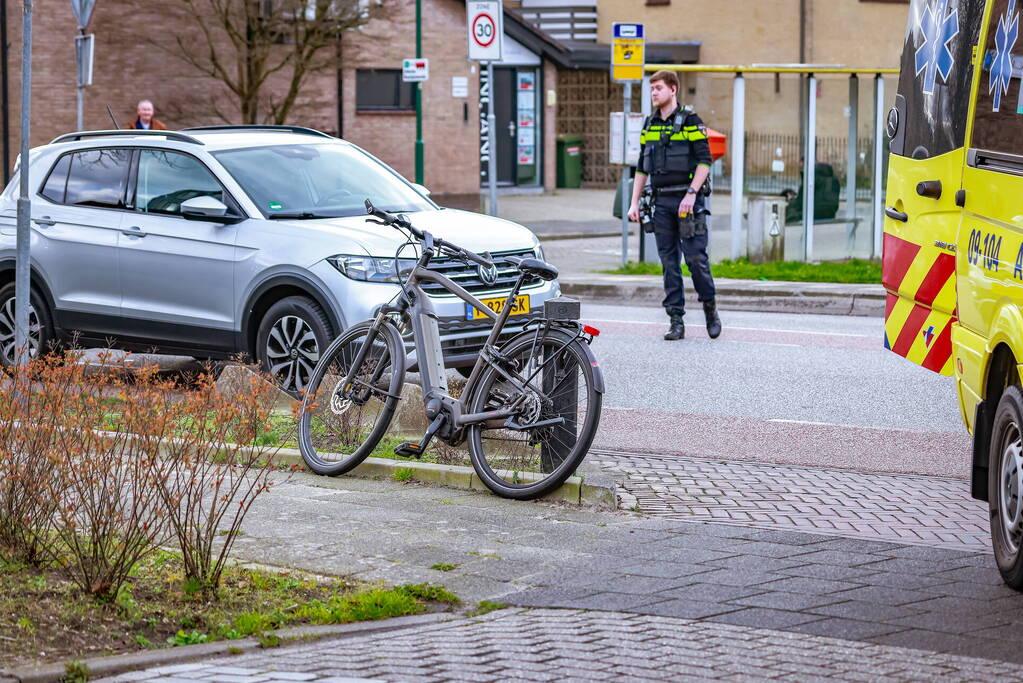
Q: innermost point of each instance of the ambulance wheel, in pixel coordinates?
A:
(1005, 483)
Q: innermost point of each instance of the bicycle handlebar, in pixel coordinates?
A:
(401, 221)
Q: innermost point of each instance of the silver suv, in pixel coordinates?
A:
(211, 242)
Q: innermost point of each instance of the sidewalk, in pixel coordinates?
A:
(622, 595)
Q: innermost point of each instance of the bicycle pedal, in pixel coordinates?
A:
(409, 450)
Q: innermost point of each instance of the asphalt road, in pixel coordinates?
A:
(795, 389)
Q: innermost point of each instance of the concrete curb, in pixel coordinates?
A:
(739, 295)
(114, 665)
(577, 490)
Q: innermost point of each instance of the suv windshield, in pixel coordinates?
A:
(316, 180)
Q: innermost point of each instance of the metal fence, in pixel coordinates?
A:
(774, 163)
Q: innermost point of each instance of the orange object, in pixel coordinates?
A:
(718, 144)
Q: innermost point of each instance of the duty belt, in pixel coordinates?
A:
(671, 189)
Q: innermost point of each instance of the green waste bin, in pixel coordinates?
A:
(570, 160)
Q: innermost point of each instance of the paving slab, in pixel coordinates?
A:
(667, 647)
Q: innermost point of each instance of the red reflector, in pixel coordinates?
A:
(592, 331)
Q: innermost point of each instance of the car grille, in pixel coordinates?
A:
(468, 276)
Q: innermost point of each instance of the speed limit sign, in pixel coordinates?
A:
(485, 21)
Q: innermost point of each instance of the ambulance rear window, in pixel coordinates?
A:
(998, 116)
(934, 87)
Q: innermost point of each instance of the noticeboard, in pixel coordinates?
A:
(627, 52)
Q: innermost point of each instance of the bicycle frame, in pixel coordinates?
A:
(430, 354)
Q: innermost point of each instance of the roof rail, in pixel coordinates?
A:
(299, 130)
(129, 132)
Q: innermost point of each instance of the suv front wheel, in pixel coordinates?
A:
(291, 336)
(40, 325)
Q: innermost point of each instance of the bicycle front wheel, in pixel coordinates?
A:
(557, 410)
(342, 422)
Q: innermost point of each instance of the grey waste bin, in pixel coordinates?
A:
(765, 232)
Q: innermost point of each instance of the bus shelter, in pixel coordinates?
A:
(738, 152)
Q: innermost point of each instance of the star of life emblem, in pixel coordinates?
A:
(934, 57)
(1000, 75)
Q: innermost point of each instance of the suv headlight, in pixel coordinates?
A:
(369, 268)
(538, 250)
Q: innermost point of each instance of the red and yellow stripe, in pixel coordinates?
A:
(921, 304)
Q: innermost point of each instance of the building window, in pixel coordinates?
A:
(383, 90)
(658, 2)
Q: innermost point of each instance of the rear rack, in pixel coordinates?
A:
(127, 133)
(248, 128)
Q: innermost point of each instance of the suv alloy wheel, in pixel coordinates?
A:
(291, 336)
(40, 327)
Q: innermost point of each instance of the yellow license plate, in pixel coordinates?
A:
(521, 306)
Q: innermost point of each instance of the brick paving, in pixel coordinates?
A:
(542, 645)
(931, 511)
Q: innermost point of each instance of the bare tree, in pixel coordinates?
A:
(251, 45)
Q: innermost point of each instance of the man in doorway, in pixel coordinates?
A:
(145, 119)
(675, 156)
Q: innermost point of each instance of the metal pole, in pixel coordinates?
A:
(878, 202)
(850, 171)
(80, 105)
(22, 277)
(809, 166)
(491, 140)
(419, 95)
(626, 195)
(5, 124)
(738, 160)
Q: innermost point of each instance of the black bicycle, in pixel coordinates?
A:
(529, 409)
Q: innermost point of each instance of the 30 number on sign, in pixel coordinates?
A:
(484, 29)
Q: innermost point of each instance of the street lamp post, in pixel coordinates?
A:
(419, 95)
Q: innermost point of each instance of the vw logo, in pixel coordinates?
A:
(488, 275)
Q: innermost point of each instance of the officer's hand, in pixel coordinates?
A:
(685, 207)
(634, 213)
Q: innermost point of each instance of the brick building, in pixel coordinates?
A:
(553, 79)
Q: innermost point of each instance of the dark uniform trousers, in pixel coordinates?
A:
(673, 245)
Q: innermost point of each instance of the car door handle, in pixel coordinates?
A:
(895, 214)
(45, 221)
(134, 231)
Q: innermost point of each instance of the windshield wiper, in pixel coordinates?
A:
(297, 215)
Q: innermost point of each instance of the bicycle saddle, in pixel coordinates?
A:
(542, 270)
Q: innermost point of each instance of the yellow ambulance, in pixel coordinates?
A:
(953, 234)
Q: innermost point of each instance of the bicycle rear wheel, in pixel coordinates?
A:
(340, 426)
(526, 462)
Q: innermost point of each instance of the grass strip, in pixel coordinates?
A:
(852, 271)
(45, 619)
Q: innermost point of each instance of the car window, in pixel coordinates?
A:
(933, 100)
(97, 177)
(997, 124)
(56, 183)
(165, 179)
(322, 179)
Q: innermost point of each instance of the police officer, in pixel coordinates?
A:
(675, 155)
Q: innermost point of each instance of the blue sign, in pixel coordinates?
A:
(934, 57)
(628, 30)
(1000, 75)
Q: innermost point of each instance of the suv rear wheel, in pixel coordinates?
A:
(40, 325)
(292, 335)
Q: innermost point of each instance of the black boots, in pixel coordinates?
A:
(713, 321)
(677, 330)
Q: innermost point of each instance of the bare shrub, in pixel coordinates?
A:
(110, 512)
(28, 459)
(78, 462)
(216, 468)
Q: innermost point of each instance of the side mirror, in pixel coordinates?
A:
(206, 208)
(421, 189)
